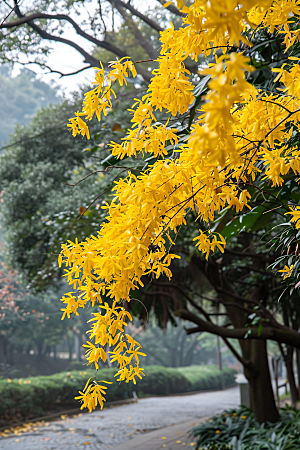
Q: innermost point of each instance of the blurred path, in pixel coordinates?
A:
(113, 426)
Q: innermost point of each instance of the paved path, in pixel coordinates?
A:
(113, 426)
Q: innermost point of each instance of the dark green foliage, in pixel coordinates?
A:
(237, 429)
(39, 211)
(207, 377)
(163, 381)
(56, 392)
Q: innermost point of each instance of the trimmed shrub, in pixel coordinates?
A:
(23, 399)
(208, 377)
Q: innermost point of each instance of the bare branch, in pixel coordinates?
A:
(29, 20)
(6, 17)
(43, 65)
(89, 59)
(172, 9)
(140, 39)
(141, 16)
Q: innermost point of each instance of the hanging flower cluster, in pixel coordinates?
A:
(237, 133)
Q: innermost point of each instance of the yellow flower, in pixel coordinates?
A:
(287, 271)
(295, 213)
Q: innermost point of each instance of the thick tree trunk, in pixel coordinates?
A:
(288, 360)
(258, 375)
(298, 367)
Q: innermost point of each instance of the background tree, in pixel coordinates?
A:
(30, 32)
(20, 98)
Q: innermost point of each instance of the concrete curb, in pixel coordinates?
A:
(172, 434)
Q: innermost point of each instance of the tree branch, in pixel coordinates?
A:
(283, 335)
(29, 21)
(140, 39)
(89, 59)
(45, 35)
(51, 70)
(141, 16)
(6, 17)
(172, 9)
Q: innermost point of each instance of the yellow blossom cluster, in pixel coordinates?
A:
(98, 100)
(237, 133)
(92, 395)
(295, 213)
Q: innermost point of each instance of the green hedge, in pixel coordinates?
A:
(207, 377)
(37, 396)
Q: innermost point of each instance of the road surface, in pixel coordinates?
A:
(111, 427)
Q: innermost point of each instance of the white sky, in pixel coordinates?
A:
(67, 59)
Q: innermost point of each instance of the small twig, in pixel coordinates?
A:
(12, 9)
(136, 299)
(105, 190)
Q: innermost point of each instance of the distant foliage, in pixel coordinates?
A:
(20, 98)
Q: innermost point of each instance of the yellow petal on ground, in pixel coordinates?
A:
(178, 442)
(164, 437)
(130, 425)
(17, 440)
(59, 433)
(192, 444)
(86, 443)
(63, 416)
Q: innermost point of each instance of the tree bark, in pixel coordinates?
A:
(298, 369)
(288, 360)
(258, 375)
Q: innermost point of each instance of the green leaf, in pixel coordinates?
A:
(201, 86)
(259, 330)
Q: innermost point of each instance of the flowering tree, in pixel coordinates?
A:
(236, 141)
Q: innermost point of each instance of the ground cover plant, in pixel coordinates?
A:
(27, 398)
(237, 429)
